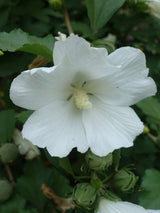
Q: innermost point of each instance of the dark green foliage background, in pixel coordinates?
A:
(34, 25)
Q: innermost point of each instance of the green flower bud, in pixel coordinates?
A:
(56, 4)
(5, 190)
(146, 130)
(124, 180)
(104, 44)
(84, 195)
(8, 153)
(98, 163)
(111, 196)
(1, 53)
(107, 42)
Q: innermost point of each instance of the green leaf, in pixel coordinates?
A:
(100, 11)
(66, 165)
(143, 149)
(15, 205)
(17, 40)
(24, 115)
(150, 106)
(36, 174)
(81, 28)
(14, 63)
(29, 185)
(59, 163)
(151, 185)
(53, 160)
(7, 123)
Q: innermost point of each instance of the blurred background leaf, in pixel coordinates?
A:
(150, 198)
(7, 123)
(17, 40)
(36, 174)
(100, 11)
(25, 27)
(16, 205)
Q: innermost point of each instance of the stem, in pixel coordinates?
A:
(39, 61)
(81, 177)
(67, 20)
(154, 139)
(107, 178)
(9, 174)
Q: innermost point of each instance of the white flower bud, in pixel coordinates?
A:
(30, 155)
(25, 147)
(61, 37)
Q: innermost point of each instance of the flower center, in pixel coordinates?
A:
(81, 99)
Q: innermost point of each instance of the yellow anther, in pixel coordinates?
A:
(81, 99)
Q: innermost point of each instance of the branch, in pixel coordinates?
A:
(67, 20)
(39, 61)
(9, 174)
(154, 139)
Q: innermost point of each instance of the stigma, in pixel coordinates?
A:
(81, 99)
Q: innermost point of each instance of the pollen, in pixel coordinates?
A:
(81, 99)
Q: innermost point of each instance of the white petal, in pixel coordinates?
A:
(35, 88)
(153, 211)
(110, 127)
(88, 61)
(57, 126)
(107, 206)
(129, 84)
(72, 46)
(130, 59)
(120, 91)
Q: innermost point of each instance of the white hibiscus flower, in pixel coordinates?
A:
(154, 6)
(107, 206)
(83, 101)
